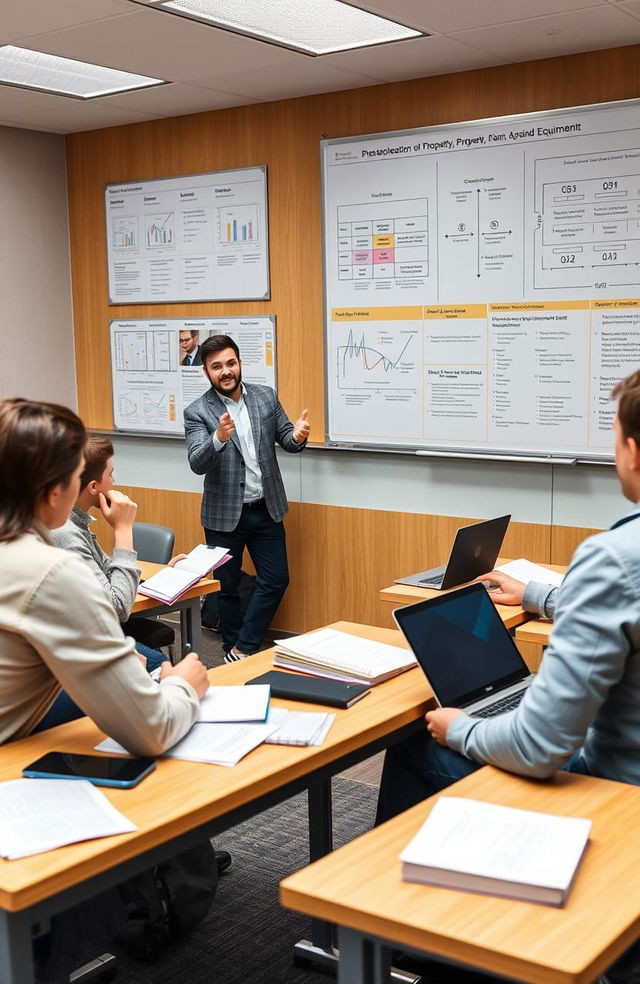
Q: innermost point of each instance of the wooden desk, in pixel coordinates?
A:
(406, 594)
(184, 802)
(188, 605)
(360, 887)
(531, 638)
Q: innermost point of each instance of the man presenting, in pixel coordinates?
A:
(231, 433)
(189, 348)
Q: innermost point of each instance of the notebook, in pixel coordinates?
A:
(474, 552)
(171, 582)
(342, 656)
(465, 651)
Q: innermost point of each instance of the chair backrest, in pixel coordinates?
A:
(153, 543)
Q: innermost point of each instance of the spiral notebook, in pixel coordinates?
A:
(341, 656)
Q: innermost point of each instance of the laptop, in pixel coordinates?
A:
(474, 552)
(465, 651)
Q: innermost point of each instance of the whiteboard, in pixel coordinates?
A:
(151, 387)
(203, 237)
(482, 283)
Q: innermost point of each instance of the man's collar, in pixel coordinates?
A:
(227, 399)
(81, 518)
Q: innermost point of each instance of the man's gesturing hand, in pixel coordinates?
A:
(226, 427)
(301, 428)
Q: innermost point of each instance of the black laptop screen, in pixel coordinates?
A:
(462, 645)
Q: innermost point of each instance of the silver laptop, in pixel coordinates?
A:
(474, 552)
(465, 651)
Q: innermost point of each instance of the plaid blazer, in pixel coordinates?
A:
(224, 470)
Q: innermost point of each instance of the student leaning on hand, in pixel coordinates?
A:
(60, 639)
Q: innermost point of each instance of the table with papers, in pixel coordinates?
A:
(182, 802)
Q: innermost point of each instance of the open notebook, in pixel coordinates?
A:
(171, 582)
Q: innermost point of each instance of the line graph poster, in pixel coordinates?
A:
(151, 385)
(195, 238)
(483, 282)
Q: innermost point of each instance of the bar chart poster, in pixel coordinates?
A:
(482, 283)
(151, 379)
(201, 237)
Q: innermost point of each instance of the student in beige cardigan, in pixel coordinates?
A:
(58, 630)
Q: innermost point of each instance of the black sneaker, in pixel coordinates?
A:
(233, 657)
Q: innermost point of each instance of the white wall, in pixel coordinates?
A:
(578, 495)
(36, 327)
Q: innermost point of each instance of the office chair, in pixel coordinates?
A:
(154, 544)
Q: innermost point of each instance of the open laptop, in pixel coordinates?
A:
(465, 651)
(474, 552)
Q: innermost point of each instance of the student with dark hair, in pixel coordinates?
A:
(581, 712)
(60, 639)
(231, 434)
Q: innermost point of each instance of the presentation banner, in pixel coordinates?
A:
(152, 380)
(202, 237)
(482, 283)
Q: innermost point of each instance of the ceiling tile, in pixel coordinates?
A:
(21, 107)
(175, 100)
(298, 76)
(631, 7)
(448, 16)
(32, 17)
(414, 59)
(160, 45)
(561, 34)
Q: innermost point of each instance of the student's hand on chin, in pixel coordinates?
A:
(438, 722)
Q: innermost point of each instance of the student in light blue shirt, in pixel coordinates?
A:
(581, 712)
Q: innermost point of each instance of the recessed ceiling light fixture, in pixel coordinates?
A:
(65, 76)
(315, 28)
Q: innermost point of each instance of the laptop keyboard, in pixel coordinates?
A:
(431, 582)
(500, 706)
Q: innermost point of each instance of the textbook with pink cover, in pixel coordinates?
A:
(171, 582)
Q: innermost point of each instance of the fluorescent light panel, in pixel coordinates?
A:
(315, 27)
(65, 76)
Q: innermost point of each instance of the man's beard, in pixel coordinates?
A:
(223, 390)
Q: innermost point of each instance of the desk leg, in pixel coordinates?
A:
(319, 950)
(190, 626)
(16, 958)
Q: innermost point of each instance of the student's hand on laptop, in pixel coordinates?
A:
(507, 590)
(438, 722)
(174, 560)
(118, 510)
(190, 669)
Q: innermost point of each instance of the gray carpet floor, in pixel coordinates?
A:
(248, 936)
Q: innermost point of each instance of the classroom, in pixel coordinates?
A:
(391, 471)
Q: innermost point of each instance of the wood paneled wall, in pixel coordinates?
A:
(339, 557)
(285, 135)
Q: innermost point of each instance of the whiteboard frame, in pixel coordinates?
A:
(453, 451)
(180, 177)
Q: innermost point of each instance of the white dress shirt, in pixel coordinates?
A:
(240, 415)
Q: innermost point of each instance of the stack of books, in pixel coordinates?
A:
(340, 656)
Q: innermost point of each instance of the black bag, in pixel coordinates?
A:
(210, 616)
(167, 901)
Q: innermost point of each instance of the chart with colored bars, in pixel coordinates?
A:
(160, 230)
(124, 232)
(238, 225)
(389, 240)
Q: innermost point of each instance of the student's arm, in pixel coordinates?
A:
(537, 598)
(118, 575)
(73, 626)
(202, 453)
(586, 657)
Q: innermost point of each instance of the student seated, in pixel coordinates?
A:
(60, 640)
(581, 711)
(118, 574)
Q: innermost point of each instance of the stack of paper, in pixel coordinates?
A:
(41, 814)
(340, 656)
(301, 728)
(224, 705)
(171, 582)
(480, 847)
(523, 570)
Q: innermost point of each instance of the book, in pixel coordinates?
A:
(171, 582)
(481, 847)
(341, 656)
(525, 571)
(312, 690)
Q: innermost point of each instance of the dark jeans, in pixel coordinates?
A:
(418, 767)
(65, 709)
(265, 541)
